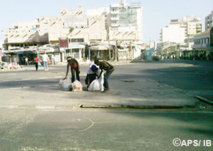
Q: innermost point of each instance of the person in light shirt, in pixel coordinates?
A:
(45, 61)
(91, 74)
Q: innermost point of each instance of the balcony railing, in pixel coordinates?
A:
(114, 18)
(114, 24)
(114, 12)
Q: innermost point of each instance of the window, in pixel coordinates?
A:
(77, 40)
(207, 40)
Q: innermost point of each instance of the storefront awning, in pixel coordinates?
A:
(76, 46)
(100, 47)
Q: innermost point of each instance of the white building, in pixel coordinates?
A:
(53, 26)
(95, 30)
(194, 25)
(182, 31)
(76, 18)
(209, 21)
(173, 33)
(119, 22)
(125, 21)
(24, 34)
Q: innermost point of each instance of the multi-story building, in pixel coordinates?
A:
(173, 33)
(209, 21)
(23, 35)
(203, 45)
(182, 32)
(95, 31)
(194, 25)
(43, 30)
(125, 21)
(121, 22)
(74, 18)
(202, 40)
(53, 27)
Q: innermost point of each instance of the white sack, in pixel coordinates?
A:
(65, 84)
(98, 84)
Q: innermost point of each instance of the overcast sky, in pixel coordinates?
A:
(156, 13)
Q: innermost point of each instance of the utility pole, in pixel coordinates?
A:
(116, 51)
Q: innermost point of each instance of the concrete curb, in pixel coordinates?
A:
(204, 100)
(114, 106)
(39, 107)
(95, 106)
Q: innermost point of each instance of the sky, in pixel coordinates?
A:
(156, 13)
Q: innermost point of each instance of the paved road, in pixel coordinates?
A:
(194, 77)
(27, 128)
(160, 83)
(102, 130)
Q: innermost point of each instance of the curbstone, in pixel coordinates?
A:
(204, 100)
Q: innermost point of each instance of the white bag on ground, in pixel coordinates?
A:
(97, 84)
(65, 84)
(77, 86)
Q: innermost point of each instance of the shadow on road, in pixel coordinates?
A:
(197, 124)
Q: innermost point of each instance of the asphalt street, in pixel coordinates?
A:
(194, 77)
(103, 130)
(26, 128)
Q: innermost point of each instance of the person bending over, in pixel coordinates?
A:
(75, 69)
(104, 65)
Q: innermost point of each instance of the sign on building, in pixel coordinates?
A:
(63, 42)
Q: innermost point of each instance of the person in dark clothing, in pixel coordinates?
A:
(75, 69)
(104, 65)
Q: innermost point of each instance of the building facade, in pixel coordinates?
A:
(174, 33)
(178, 31)
(82, 28)
(209, 21)
(125, 21)
(203, 46)
(193, 25)
(178, 36)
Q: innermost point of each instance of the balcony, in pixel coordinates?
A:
(114, 12)
(114, 18)
(114, 24)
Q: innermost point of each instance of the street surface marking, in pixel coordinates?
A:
(91, 125)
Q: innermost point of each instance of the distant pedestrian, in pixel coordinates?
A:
(75, 69)
(37, 62)
(26, 61)
(104, 65)
(53, 59)
(45, 61)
